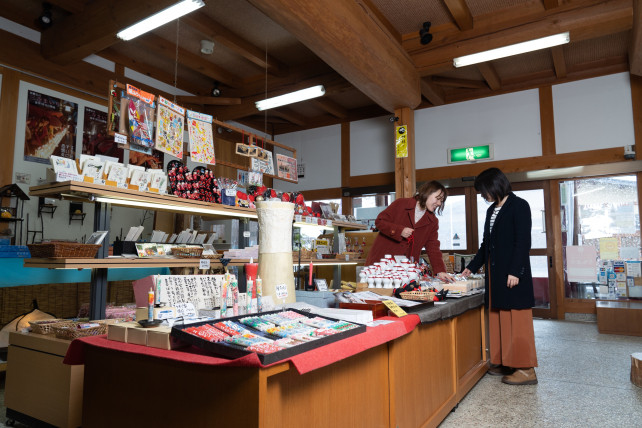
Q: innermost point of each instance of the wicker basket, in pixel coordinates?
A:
(425, 296)
(46, 326)
(63, 250)
(187, 252)
(70, 330)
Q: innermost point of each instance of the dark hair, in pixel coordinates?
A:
(428, 189)
(492, 184)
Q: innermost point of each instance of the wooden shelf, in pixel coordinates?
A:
(89, 192)
(120, 262)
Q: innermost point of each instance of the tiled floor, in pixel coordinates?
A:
(583, 382)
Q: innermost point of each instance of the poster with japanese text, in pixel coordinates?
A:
(263, 164)
(95, 139)
(201, 139)
(50, 128)
(286, 167)
(169, 128)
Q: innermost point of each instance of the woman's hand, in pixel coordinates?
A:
(407, 232)
(466, 273)
(445, 277)
(512, 281)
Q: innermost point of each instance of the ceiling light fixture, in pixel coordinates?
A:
(519, 48)
(163, 17)
(292, 97)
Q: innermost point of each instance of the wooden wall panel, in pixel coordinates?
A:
(8, 118)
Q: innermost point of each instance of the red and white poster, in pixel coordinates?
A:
(286, 167)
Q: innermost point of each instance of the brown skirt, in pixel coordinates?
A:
(511, 336)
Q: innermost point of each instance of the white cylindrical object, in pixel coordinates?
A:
(275, 248)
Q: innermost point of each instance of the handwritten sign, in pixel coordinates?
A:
(394, 308)
(204, 264)
(281, 291)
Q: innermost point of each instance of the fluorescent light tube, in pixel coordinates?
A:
(161, 18)
(519, 48)
(292, 97)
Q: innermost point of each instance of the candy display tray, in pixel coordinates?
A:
(230, 350)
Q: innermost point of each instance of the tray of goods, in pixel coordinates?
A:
(425, 296)
(211, 256)
(272, 336)
(61, 249)
(46, 326)
(187, 252)
(74, 330)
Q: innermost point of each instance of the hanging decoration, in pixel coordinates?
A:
(286, 167)
(140, 108)
(169, 127)
(201, 138)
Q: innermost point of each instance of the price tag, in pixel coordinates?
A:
(246, 234)
(204, 264)
(120, 138)
(395, 308)
(297, 218)
(281, 291)
(328, 222)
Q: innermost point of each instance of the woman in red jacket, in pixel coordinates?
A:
(410, 224)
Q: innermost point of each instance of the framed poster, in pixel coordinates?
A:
(169, 128)
(95, 138)
(50, 128)
(286, 167)
(201, 139)
(264, 166)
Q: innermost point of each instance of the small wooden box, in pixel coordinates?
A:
(378, 309)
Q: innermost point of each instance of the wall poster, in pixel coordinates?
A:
(50, 128)
(95, 138)
(286, 167)
(201, 139)
(169, 128)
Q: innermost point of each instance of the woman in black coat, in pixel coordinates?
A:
(504, 253)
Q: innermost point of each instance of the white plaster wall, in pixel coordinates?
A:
(320, 151)
(372, 147)
(593, 114)
(58, 227)
(510, 123)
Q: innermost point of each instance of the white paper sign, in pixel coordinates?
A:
(281, 291)
(120, 138)
(204, 264)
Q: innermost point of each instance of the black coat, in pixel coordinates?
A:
(507, 248)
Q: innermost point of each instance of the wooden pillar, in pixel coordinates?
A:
(547, 121)
(405, 180)
(8, 119)
(346, 201)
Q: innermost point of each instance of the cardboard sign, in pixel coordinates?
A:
(394, 308)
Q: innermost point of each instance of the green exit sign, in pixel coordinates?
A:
(470, 154)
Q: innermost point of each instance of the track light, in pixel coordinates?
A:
(45, 20)
(216, 92)
(424, 34)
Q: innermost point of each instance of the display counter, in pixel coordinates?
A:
(402, 374)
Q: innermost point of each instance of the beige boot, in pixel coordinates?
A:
(521, 377)
(499, 370)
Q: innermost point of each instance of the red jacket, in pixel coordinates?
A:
(392, 220)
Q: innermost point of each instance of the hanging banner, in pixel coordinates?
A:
(140, 109)
(286, 167)
(401, 142)
(201, 138)
(169, 128)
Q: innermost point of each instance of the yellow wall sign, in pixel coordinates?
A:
(401, 141)
(395, 308)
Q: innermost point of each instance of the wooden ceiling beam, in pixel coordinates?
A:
(432, 92)
(216, 101)
(345, 36)
(490, 75)
(79, 35)
(584, 23)
(558, 61)
(331, 107)
(369, 7)
(289, 115)
(155, 73)
(220, 34)
(73, 6)
(460, 13)
(458, 83)
(551, 4)
(635, 48)
(163, 47)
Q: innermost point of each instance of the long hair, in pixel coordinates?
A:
(492, 184)
(426, 190)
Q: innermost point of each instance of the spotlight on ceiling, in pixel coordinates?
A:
(216, 92)
(45, 20)
(424, 33)
(207, 47)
